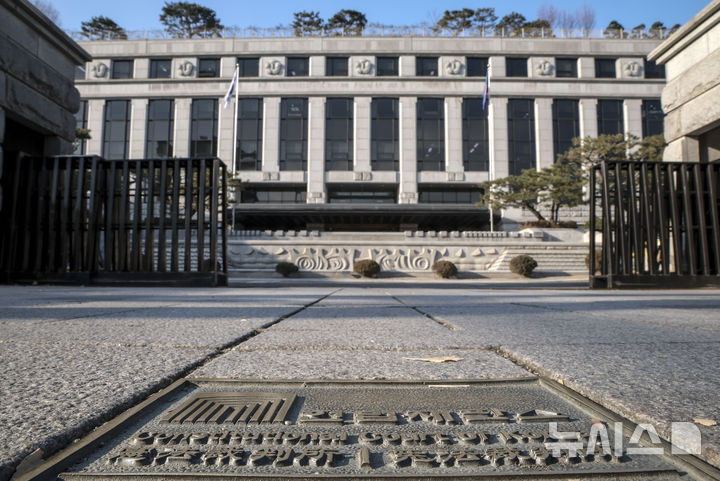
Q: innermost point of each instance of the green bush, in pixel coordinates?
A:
(445, 269)
(598, 260)
(523, 265)
(286, 268)
(367, 268)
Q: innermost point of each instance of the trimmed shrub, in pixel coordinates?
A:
(286, 268)
(548, 224)
(445, 269)
(523, 265)
(598, 260)
(367, 268)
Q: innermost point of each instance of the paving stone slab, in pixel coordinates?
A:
(645, 382)
(360, 364)
(52, 393)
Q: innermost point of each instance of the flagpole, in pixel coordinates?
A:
(491, 166)
(236, 77)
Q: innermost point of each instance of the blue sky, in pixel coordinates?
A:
(143, 14)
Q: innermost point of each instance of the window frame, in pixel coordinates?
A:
(204, 71)
(155, 69)
(516, 67)
(304, 62)
(118, 74)
(424, 66)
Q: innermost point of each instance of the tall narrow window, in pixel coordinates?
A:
(338, 134)
(566, 124)
(293, 133)
(610, 117)
(653, 70)
(249, 134)
(476, 146)
(521, 135)
(159, 143)
(203, 128)
(160, 68)
(116, 129)
(81, 123)
(426, 66)
(431, 134)
(652, 117)
(384, 134)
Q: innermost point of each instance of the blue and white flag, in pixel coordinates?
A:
(231, 89)
(486, 89)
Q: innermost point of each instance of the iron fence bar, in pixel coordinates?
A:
(224, 220)
(41, 200)
(609, 260)
(620, 221)
(26, 229)
(110, 261)
(715, 220)
(124, 211)
(52, 216)
(701, 214)
(76, 258)
(689, 223)
(174, 207)
(93, 205)
(593, 206)
(661, 176)
(188, 209)
(201, 216)
(148, 264)
(214, 217)
(161, 224)
(647, 204)
(674, 176)
(66, 220)
(635, 209)
(137, 219)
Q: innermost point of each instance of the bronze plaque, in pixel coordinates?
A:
(514, 429)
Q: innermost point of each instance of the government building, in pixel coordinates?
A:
(383, 133)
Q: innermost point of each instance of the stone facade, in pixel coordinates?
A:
(453, 82)
(691, 99)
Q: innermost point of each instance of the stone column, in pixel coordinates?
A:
(408, 189)
(453, 138)
(544, 151)
(142, 68)
(316, 66)
(497, 68)
(316, 150)
(588, 118)
(498, 136)
(406, 66)
(95, 125)
(183, 110)
(684, 149)
(138, 124)
(225, 132)
(586, 67)
(632, 117)
(2, 158)
(361, 136)
(271, 135)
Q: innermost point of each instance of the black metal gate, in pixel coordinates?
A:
(660, 224)
(83, 219)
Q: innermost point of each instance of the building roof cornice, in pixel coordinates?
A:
(688, 33)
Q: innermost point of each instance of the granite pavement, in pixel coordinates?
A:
(74, 357)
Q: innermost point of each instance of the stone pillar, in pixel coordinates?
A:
(316, 150)
(684, 149)
(406, 66)
(588, 118)
(271, 135)
(632, 117)
(183, 110)
(316, 66)
(498, 136)
(586, 67)
(544, 151)
(453, 137)
(361, 135)
(142, 68)
(497, 68)
(138, 123)
(408, 189)
(2, 157)
(225, 132)
(95, 125)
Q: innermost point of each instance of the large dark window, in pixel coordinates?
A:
(445, 195)
(159, 138)
(297, 67)
(274, 195)
(476, 146)
(116, 129)
(652, 117)
(384, 134)
(339, 134)
(203, 128)
(248, 67)
(293, 134)
(209, 67)
(386, 66)
(566, 67)
(81, 123)
(610, 117)
(356, 194)
(336, 66)
(160, 68)
(426, 66)
(430, 134)
(516, 67)
(566, 124)
(122, 69)
(249, 134)
(653, 70)
(521, 135)
(477, 66)
(605, 68)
